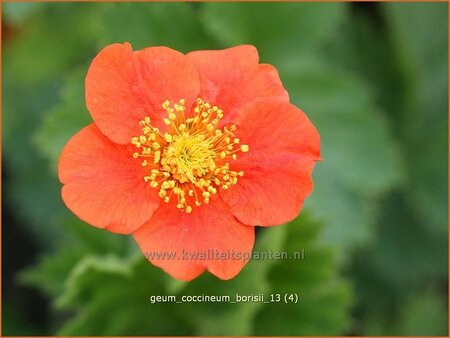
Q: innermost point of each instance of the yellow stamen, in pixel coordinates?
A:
(244, 148)
(190, 161)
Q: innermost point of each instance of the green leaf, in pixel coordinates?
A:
(419, 32)
(324, 298)
(424, 315)
(234, 319)
(59, 49)
(363, 48)
(15, 321)
(405, 259)
(50, 272)
(23, 165)
(65, 119)
(295, 29)
(406, 254)
(79, 283)
(429, 178)
(17, 13)
(405, 61)
(112, 297)
(33, 66)
(361, 161)
(96, 283)
(153, 24)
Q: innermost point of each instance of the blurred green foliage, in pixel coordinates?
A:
(371, 77)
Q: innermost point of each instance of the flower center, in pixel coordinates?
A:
(190, 161)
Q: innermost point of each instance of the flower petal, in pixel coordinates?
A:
(232, 77)
(114, 96)
(198, 240)
(166, 74)
(284, 146)
(103, 183)
(122, 87)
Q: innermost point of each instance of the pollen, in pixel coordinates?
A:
(190, 162)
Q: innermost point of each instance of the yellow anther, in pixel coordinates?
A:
(168, 137)
(244, 148)
(157, 157)
(188, 209)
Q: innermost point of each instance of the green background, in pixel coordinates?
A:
(371, 76)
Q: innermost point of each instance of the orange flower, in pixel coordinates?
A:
(188, 153)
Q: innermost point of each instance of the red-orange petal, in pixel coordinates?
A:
(166, 74)
(123, 86)
(103, 183)
(210, 229)
(284, 146)
(232, 77)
